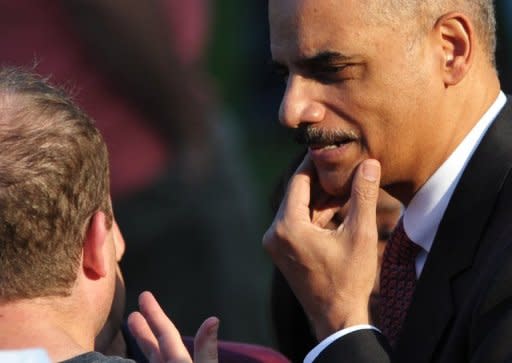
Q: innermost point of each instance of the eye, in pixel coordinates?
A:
(331, 73)
(332, 68)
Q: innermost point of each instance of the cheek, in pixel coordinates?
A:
(378, 136)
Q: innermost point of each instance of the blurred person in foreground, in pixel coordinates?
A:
(59, 242)
(136, 67)
(402, 95)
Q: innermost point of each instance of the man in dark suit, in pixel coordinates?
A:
(402, 94)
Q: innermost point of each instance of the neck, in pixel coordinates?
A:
(44, 323)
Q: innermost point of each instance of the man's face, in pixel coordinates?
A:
(354, 90)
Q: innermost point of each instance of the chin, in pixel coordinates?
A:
(337, 184)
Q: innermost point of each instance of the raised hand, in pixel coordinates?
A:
(332, 272)
(161, 342)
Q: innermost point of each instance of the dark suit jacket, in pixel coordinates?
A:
(462, 306)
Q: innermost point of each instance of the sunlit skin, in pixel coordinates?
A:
(369, 80)
(379, 103)
(389, 211)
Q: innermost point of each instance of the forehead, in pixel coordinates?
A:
(305, 27)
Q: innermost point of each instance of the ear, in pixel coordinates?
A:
(457, 42)
(118, 241)
(95, 253)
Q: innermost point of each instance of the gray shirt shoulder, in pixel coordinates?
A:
(95, 357)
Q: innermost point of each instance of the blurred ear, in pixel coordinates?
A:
(95, 253)
(456, 36)
(118, 241)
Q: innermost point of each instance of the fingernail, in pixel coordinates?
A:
(371, 170)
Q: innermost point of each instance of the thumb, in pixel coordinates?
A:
(362, 214)
(205, 342)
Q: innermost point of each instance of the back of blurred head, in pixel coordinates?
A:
(57, 241)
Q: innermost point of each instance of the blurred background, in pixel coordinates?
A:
(184, 95)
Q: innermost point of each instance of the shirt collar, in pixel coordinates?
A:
(424, 212)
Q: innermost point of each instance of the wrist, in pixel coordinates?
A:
(335, 321)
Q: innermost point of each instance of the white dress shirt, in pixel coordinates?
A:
(425, 211)
(32, 355)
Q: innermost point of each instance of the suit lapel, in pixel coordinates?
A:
(456, 241)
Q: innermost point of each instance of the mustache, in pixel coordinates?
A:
(310, 135)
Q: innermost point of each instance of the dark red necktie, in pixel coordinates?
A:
(397, 282)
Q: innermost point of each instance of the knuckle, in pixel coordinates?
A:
(270, 239)
(281, 231)
(275, 237)
(267, 241)
(366, 192)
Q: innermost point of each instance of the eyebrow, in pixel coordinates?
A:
(326, 57)
(322, 58)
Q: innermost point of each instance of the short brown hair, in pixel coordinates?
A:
(54, 175)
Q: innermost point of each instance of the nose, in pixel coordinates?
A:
(298, 105)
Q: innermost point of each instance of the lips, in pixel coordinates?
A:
(332, 153)
(331, 145)
(324, 147)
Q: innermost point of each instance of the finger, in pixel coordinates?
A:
(298, 194)
(361, 217)
(144, 337)
(324, 209)
(205, 342)
(294, 207)
(172, 349)
(321, 218)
